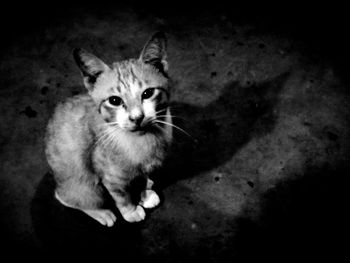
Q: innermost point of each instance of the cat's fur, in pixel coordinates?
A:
(114, 135)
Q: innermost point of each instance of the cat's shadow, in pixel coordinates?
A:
(217, 131)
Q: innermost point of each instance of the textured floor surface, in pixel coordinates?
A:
(262, 176)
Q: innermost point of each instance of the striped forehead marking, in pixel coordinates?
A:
(121, 79)
(133, 76)
(128, 79)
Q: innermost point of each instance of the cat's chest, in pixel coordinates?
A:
(138, 149)
(144, 153)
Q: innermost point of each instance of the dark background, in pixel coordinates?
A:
(321, 26)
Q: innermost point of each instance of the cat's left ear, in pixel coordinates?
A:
(154, 52)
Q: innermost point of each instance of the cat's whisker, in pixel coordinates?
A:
(109, 139)
(162, 110)
(173, 140)
(161, 128)
(166, 115)
(101, 142)
(149, 121)
(109, 124)
(175, 126)
(168, 108)
(113, 123)
(114, 140)
(174, 107)
(99, 139)
(105, 137)
(173, 116)
(104, 134)
(105, 141)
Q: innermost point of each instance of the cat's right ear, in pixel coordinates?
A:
(90, 66)
(154, 52)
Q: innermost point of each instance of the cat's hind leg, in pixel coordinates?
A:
(103, 216)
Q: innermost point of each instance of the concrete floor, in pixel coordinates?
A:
(263, 175)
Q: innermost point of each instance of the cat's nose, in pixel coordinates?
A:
(136, 116)
(137, 119)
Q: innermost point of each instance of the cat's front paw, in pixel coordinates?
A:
(136, 215)
(150, 199)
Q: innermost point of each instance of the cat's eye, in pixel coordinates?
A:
(148, 93)
(115, 101)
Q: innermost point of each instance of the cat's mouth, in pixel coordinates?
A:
(141, 129)
(137, 129)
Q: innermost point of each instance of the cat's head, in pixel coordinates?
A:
(132, 93)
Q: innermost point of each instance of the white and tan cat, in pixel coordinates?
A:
(114, 135)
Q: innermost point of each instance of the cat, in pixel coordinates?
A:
(117, 133)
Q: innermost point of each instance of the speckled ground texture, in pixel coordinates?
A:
(264, 98)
